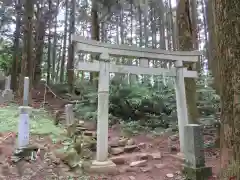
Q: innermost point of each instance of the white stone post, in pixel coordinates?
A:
(69, 114)
(25, 91)
(7, 94)
(182, 111)
(8, 82)
(23, 127)
(102, 160)
(103, 102)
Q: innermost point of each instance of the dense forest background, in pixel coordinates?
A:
(36, 42)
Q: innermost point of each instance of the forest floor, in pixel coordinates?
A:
(147, 158)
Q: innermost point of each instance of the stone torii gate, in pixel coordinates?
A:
(104, 67)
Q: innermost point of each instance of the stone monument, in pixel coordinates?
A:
(194, 165)
(7, 93)
(70, 119)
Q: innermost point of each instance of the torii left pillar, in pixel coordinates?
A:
(102, 164)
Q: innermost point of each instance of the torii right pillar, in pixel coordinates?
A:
(182, 112)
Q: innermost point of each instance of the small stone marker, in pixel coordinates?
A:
(7, 82)
(194, 165)
(69, 114)
(23, 127)
(7, 94)
(25, 91)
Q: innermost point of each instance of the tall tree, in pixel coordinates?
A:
(64, 43)
(95, 35)
(49, 45)
(186, 42)
(42, 17)
(211, 50)
(54, 54)
(49, 51)
(70, 71)
(16, 57)
(213, 61)
(228, 40)
(27, 65)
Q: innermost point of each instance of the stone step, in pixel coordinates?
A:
(90, 133)
(177, 156)
(133, 157)
(80, 128)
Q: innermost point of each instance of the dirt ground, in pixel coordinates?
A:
(166, 166)
(162, 165)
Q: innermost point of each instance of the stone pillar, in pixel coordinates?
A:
(7, 94)
(182, 112)
(70, 119)
(194, 165)
(102, 163)
(8, 82)
(26, 91)
(23, 127)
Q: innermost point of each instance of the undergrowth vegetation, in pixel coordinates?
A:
(142, 106)
(40, 123)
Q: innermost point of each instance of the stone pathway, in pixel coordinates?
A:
(143, 159)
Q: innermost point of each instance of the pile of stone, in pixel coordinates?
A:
(119, 145)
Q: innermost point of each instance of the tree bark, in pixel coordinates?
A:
(27, 65)
(228, 40)
(95, 35)
(54, 54)
(40, 35)
(213, 61)
(49, 55)
(70, 67)
(59, 61)
(64, 44)
(16, 54)
(186, 42)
